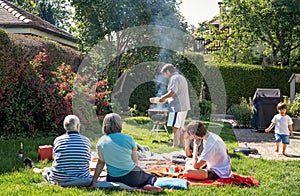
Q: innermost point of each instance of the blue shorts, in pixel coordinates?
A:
(284, 138)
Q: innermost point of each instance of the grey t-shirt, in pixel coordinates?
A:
(181, 101)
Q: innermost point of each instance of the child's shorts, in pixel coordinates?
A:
(284, 138)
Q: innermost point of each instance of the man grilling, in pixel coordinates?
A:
(179, 102)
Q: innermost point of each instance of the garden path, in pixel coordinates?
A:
(265, 145)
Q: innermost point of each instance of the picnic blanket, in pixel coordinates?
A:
(237, 180)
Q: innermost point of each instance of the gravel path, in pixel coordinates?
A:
(265, 145)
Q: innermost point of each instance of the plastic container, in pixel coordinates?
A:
(45, 152)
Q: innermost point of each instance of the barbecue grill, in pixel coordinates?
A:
(159, 118)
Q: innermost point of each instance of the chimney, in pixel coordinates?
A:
(220, 7)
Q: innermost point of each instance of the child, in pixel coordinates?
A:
(283, 127)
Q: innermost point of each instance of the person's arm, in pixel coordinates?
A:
(199, 165)
(188, 151)
(270, 127)
(195, 163)
(135, 156)
(196, 148)
(166, 96)
(291, 130)
(99, 168)
(187, 148)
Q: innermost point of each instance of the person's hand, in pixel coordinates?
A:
(292, 134)
(162, 100)
(267, 130)
(194, 160)
(197, 142)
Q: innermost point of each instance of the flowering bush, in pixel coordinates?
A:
(43, 96)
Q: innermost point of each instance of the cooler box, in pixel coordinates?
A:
(45, 152)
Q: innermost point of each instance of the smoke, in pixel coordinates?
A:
(161, 85)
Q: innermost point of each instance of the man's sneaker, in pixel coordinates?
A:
(28, 162)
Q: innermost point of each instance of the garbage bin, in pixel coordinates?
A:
(265, 102)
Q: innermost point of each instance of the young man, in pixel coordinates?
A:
(179, 101)
(72, 153)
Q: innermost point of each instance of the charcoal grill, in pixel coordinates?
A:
(159, 118)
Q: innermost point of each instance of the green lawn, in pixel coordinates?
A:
(276, 177)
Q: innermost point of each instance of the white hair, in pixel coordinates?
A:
(71, 123)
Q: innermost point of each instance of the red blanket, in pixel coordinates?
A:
(237, 180)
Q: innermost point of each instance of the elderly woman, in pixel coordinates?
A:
(214, 156)
(119, 152)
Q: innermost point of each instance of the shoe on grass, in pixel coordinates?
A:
(28, 162)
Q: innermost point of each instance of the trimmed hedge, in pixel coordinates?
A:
(242, 80)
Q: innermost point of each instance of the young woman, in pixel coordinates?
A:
(119, 152)
(214, 156)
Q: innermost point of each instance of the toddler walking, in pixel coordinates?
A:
(283, 127)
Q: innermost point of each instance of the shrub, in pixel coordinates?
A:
(139, 98)
(293, 109)
(37, 95)
(133, 111)
(141, 120)
(242, 112)
(205, 108)
(241, 80)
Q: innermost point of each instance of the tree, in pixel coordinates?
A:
(96, 19)
(56, 12)
(274, 24)
(109, 19)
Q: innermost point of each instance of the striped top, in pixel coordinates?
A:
(72, 153)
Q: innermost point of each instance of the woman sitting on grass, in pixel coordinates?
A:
(119, 152)
(214, 156)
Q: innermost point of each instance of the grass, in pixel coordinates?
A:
(276, 177)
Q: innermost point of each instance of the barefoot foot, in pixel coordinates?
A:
(152, 189)
(276, 150)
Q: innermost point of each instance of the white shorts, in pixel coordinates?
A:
(177, 119)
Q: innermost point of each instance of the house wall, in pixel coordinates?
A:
(39, 33)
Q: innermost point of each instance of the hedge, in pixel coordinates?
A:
(242, 80)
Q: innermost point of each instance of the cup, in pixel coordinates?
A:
(172, 170)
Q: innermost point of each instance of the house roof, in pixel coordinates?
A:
(215, 21)
(12, 16)
(296, 76)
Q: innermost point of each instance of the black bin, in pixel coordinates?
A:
(265, 102)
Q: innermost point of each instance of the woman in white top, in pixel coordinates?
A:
(214, 156)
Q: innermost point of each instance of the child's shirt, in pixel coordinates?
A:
(282, 124)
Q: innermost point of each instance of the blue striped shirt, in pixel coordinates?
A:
(72, 153)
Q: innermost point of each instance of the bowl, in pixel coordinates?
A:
(154, 100)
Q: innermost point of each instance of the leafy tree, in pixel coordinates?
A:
(56, 12)
(273, 24)
(96, 19)
(108, 19)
